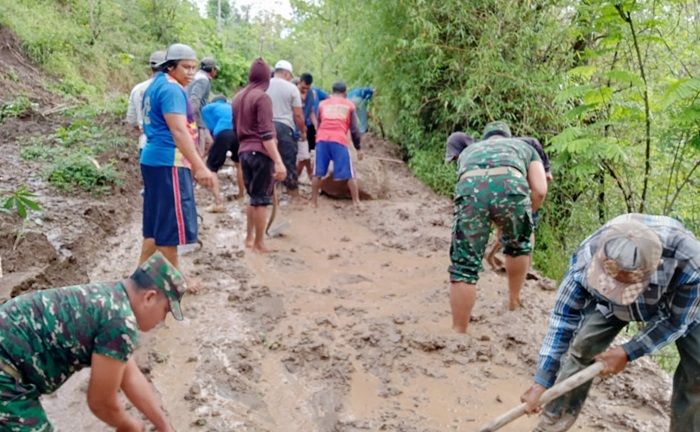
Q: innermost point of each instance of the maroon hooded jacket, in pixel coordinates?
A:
(252, 110)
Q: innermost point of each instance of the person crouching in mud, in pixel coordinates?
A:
(501, 180)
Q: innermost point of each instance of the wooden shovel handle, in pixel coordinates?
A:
(552, 393)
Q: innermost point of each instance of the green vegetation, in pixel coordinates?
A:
(16, 108)
(82, 171)
(70, 155)
(19, 202)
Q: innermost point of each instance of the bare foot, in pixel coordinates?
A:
(459, 329)
(249, 243)
(193, 285)
(263, 249)
(216, 208)
(514, 304)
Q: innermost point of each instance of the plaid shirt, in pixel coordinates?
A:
(669, 306)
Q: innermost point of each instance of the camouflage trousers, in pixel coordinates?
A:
(20, 409)
(479, 201)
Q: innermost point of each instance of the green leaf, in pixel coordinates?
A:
(682, 89)
(625, 77)
(584, 72)
(579, 110)
(598, 96)
(9, 203)
(572, 92)
(21, 209)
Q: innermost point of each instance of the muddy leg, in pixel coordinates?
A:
(516, 270)
(239, 179)
(315, 186)
(259, 220)
(354, 191)
(462, 299)
(148, 248)
(250, 226)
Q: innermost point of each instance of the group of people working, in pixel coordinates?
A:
(635, 268)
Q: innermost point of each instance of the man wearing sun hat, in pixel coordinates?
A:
(635, 268)
(46, 336)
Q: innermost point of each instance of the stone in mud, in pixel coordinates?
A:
(371, 179)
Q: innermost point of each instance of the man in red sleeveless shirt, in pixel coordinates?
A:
(336, 115)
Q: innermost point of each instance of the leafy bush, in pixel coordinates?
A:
(79, 170)
(16, 108)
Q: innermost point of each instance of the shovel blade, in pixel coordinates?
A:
(278, 230)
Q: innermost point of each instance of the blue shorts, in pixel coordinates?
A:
(169, 209)
(327, 151)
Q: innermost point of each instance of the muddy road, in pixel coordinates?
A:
(346, 328)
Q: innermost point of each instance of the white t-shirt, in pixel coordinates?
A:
(285, 97)
(134, 113)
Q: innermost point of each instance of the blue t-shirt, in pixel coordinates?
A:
(309, 104)
(218, 116)
(320, 95)
(363, 93)
(164, 96)
(361, 96)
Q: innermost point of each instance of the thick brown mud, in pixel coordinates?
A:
(347, 328)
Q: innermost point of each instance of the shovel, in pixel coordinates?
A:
(549, 395)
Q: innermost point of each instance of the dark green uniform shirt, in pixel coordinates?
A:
(497, 152)
(48, 335)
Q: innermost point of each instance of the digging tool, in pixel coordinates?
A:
(279, 228)
(552, 393)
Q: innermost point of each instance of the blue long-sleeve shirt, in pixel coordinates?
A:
(669, 306)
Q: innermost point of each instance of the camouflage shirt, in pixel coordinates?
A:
(48, 335)
(497, 152)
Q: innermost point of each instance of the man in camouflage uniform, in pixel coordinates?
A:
(501, 180)
(46, 336)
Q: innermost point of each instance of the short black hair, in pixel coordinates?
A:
(339, 87)
(219, 98)
(307, 78)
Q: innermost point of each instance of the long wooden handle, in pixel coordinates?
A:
(552, 393)
(275, 205)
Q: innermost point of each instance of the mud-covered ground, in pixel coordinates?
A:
(345, 328)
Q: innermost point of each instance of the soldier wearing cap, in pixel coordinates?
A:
(48, 335)
(501, 181)
(635, 268)
(198, 94)
(134, 112)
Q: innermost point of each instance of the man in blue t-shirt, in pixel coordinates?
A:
(309, 100)
(169, 160)
(218, 118)
(361, 97)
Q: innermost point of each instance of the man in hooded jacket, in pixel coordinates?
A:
(257, 152)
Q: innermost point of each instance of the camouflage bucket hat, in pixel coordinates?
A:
(497, 128)
(628, 254)
(157, 271)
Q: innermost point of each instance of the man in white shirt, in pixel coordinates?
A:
(287, 116)
(134, 113)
